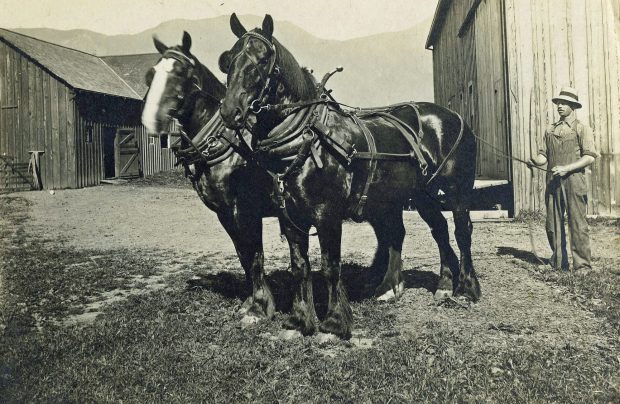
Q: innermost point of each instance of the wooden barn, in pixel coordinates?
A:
(75, 115)
(499, 62)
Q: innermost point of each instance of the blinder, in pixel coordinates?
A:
(188, 66)
(224, 62)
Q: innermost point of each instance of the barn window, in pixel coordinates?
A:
(164, 141)
(88, 135)
(152, 139)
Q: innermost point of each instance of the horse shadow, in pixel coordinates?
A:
(526, 256)
(358, 281)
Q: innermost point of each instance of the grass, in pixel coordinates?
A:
(598, 291)
(186, 345)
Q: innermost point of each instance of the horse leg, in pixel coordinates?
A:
(468, 284)
(339, 319)
(303, 316)
(382, 256)
(246, 234)
(390, 232)
(430, 211)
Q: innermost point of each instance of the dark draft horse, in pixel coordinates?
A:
(239, 192)
(266, 86)
(181, 87)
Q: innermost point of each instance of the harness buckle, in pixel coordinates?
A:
(210, 144)
(424, 168)
(255, 106)
(351, 155)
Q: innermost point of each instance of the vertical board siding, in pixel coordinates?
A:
(35, 115)
(491, 90)
(548, 44)
(40, 112)
(474, 58)
(569, 42)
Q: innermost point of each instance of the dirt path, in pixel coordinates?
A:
(515, 304)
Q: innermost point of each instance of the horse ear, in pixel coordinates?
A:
(236, 26)
(159, 45)
(268, 26)
(187, 42)
(224, 62)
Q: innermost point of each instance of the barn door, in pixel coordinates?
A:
(127, 155)
(109, 152)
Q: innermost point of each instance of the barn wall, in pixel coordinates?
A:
(99, 112)
(491, 91)
(469, 78)
(155, 158)
(554, 43)
(36, 114)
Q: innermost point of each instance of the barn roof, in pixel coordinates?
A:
(440, 13)
(79, 70)
(132, 68)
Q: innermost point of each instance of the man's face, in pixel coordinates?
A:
(564, 108)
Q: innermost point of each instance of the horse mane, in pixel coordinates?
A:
(298, 80)
(210, 83)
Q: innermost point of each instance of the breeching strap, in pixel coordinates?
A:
(372, 165)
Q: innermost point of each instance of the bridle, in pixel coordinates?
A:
(269, 80)
(185, 106)
(186, 102)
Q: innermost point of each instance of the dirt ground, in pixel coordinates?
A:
(519, 306)
(133, 217)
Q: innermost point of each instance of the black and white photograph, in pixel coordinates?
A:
(269, 201)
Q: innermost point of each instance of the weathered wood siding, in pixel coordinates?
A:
(36, 113)
(491, 91)
(553, 43)
(469, 78)
(100, 113)
(154, 157)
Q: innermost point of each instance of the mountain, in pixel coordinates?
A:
(378, 69)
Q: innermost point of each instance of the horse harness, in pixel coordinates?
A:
(309, 124)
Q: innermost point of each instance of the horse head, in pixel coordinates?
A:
(260, 71)
(175, 84)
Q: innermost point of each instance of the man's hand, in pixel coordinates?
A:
(560, 171)
(538, 160)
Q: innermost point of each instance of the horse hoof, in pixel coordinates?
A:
(245, 307)
(288, 335)
(323, 338)
(442, 294)
(294, 323)
(389, 295)
(249, 320)
(332, 327)
(469, 289)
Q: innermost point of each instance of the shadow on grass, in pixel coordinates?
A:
(358, 280)
(416, 279)
(522, 255)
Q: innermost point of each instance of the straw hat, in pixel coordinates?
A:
(568, 94)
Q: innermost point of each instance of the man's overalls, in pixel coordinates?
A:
(565, 146)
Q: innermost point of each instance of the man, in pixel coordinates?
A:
(567, 148)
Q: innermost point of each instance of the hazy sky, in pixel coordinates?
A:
(332, 19)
